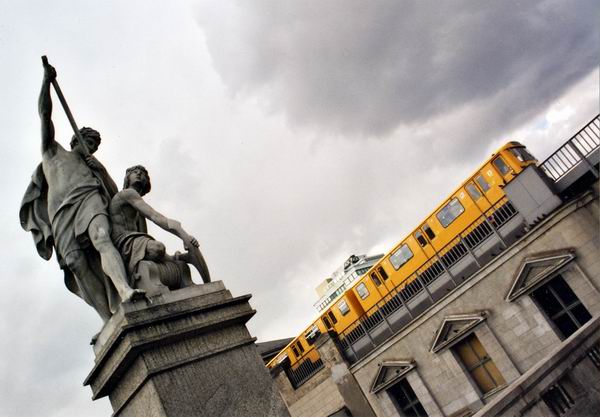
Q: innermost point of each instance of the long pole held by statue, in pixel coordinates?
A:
(65, 106)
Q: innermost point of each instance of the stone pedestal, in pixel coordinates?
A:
(186, 354)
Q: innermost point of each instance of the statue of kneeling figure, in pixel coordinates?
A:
(147, 263)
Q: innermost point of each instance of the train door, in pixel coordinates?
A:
(380, 278)
(422, 239)
(478, 196)
(490, 183)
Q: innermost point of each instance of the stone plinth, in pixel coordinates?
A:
(186, 354)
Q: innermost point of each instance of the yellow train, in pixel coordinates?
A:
(449, 245)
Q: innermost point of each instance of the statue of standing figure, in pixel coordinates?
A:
(66, 208)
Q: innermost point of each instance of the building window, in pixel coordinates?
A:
(406, 400)
(561, 306)
(478, 364)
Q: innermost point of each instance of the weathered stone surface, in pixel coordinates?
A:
(186, 354)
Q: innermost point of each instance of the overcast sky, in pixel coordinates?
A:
(284, 135)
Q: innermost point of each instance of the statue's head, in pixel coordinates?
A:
(91, 138)
(138, 177)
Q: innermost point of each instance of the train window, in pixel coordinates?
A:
(362, 290)
(501, 165)
(450, 212)
(428, 231)
(482, 183)
(473, 191)
(421, 239)
(327, 322)
(312, 334)
(332, 317)
(382, 272)
(343, 307)
(375, 279)
(295, 350)
(401, 256)
(300, 347)
(522, 154)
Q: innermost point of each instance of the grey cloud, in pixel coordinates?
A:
(364, 68)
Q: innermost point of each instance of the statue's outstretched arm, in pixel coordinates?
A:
(170, 225)
(45, 110)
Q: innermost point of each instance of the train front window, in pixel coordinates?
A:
(401, 256)
(501, 166)
(450, 212)
(473, 191)
(362, 291)
(428, 231)
(522, 154)
(343, 307)
(421, 239)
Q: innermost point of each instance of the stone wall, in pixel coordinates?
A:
(567, 370)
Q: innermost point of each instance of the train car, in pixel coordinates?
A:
(454, 241)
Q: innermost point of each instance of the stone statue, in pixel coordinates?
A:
(65, 208)
(128, 213)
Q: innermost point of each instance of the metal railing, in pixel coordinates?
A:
(304, 369)
(576, 150)
(468, 240)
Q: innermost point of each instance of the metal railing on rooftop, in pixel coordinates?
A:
(575, 151)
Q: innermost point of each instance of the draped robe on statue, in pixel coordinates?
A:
(63, 222)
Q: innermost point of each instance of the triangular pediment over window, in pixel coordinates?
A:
(390, 372)
(454, 328)
(537, 269)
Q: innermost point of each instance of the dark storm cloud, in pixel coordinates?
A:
(364, 68)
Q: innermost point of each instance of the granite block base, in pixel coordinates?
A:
(188, 354)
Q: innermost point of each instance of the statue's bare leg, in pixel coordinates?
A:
(93, 289)
(112, 263)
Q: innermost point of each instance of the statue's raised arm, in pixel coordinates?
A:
(45, 110)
